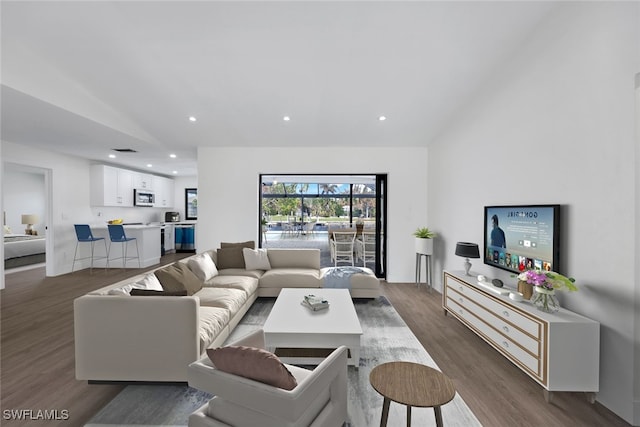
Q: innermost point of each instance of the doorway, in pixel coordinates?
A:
(303, 210)
(26, 214)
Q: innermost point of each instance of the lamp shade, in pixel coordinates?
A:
(467, 250)
(29, 219)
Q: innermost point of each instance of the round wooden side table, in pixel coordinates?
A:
(411, 384)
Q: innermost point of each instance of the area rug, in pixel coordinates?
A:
(386, 338)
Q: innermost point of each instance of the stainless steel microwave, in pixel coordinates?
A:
(143, 197)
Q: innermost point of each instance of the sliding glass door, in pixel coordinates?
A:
(301, 211)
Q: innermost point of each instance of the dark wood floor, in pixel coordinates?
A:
(37, 357)
(498, 393)
(37, 351)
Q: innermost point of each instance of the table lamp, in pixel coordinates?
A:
(29, 220)
(467, 250)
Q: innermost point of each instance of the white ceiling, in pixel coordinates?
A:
(83, 78)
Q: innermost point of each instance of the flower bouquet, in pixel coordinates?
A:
(545, 283)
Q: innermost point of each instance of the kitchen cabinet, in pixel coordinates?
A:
(111, 186)
(143, 181)
(169, 238)
(163, 189)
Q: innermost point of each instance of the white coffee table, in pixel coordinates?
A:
(293, 326)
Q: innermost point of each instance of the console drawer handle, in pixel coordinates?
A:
(505, 344)
(505, 313)
(461, 300)
(505, 328)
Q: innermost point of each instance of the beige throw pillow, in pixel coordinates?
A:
(178, 277)
(203, 266)
(150, 281)
(256, 259)
(253, 363)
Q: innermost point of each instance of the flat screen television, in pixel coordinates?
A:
(522, 237)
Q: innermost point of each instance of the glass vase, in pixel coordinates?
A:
(545, 300)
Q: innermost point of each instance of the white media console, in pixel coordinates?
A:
(560, 351)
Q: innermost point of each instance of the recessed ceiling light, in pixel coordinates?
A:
(382, 118)
(149, 165)
(112, 156)
(192, 119)
(173, 156)
(286, 118)
(175, 172)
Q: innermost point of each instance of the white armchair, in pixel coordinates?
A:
(319, 399)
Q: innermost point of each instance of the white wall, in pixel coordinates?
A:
(228, 191)
(180, 184)
(69, 202)
(557, 126)
(24, 193)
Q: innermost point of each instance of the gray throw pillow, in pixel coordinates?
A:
(230, 258)
(253, 363)
(178, 277)
(248, 244)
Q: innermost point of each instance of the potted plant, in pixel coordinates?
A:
(424, 240)
(544, 284)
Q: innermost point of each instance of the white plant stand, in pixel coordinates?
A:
(424, 248)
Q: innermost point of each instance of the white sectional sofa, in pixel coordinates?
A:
(300, 268)
(120, 337)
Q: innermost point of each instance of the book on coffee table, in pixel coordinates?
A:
(314, 302)
(315, 307)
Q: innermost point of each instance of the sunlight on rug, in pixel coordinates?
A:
(386, 338)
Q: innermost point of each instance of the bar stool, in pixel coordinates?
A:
(84, 235)
(117, 235)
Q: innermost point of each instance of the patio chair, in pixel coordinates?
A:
(366, 247)
(308, 229)
(288, 230)
(342, 247)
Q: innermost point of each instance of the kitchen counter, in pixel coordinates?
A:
(148, 237)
